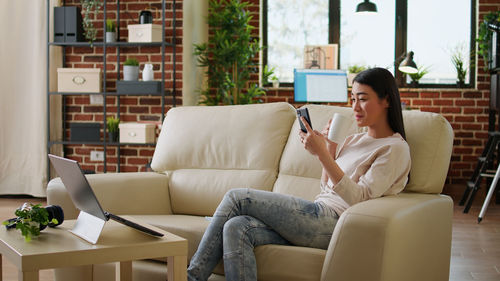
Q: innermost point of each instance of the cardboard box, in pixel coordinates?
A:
(79, 80)
(144, 32)
(137, 132)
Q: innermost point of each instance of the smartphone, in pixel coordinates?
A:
(304, 112)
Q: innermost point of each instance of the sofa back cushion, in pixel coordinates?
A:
(209, 150)
(429, 136)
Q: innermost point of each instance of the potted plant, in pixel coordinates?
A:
(229, 55)
(112, 125)
(352, 71)
(131, 69)
(457, 58)
(110, 31)
(415, 77)
(484, 37)
(89, 9)
(31, 219)
(269, 78)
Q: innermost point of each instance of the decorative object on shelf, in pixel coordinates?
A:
(229, 55)
(90, 7)
(79, 80)
(131, 69)
(321, 56)
(415, 77)
(85, 132)
(407, 66)
(138, 87)
(352, 71)
(137, 132)
(31, 219)
(112, 125)
(68, 24)
(144, 33)
(110, 31)
(366, 7)
(484, 39)
(458, 60)
(147, 72)
(145, 17)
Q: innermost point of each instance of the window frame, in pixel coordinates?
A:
(401, 27)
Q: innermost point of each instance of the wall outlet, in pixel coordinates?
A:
(96, 99)
(97, 155)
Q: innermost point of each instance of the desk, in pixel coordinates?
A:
(57, 247)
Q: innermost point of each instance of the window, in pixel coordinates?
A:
(421, 26)
(367, 39)
(437, 36)
(292, 24)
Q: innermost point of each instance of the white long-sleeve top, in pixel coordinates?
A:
(373, 167)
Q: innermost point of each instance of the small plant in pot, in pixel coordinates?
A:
(112, 125)
(131, 69)
(415, 77)
(353, 70)
(458, 62)
(110, 31)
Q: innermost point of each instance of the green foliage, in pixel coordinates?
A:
(484, 36)
(131, 62)
(90, 7)
(356, 68)
(112, 124)
(110, 25)
(422, 70)
(229, 55)
(30, 218)
(268, 75)
(458, 62)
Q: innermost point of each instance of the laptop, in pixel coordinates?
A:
(83, 196)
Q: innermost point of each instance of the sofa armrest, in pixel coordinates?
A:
(119, 193)
(402, 237)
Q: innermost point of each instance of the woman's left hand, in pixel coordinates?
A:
(313, 141)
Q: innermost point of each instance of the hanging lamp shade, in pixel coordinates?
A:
(408, 66)
(366, 7)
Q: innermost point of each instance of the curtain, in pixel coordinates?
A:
(23, 96)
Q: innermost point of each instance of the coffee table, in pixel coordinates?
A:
(57, 247)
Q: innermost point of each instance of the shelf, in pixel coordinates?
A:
(114, 44)
(101, 143)
(106, 94)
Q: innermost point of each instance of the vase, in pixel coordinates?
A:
(110, 37)
(130, 73)
(147, 72)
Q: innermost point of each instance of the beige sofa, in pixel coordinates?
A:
(202, 152)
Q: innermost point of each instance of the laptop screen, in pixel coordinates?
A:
(77, 185)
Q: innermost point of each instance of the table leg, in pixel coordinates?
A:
(177, 268)
(1, 274)
(124, 271)
(27, 275)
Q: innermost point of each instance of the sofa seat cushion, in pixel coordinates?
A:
(188, 227)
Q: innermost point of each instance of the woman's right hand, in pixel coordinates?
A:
(332, 146)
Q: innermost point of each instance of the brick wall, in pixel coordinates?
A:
(132, 108)
(465, 109)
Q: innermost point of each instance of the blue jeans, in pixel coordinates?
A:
(247, 218)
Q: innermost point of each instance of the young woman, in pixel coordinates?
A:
(367, 165)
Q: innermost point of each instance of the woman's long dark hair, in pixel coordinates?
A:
(384, 84)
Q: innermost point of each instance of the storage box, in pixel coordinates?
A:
(138, 87)
(85, 132)
(79, 80)
(144, 32)
(137, 132)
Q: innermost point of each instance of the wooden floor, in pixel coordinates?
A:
(475, 253)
